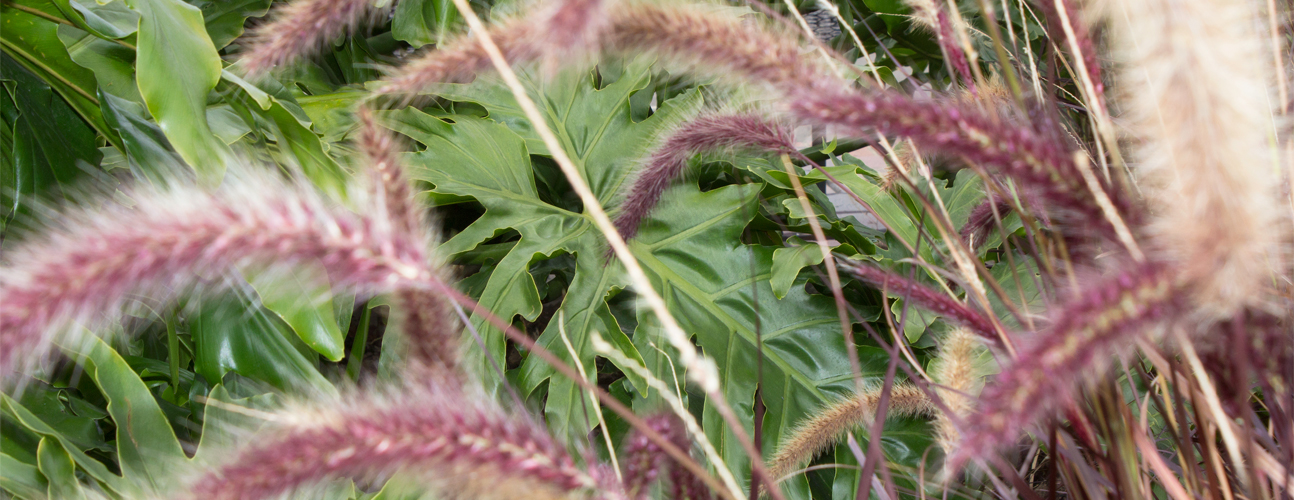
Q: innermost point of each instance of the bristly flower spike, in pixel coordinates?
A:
(467, 447)
(1103, 321)
(704, 133)
(302, 27)
(955, 370)
(928, 298)
(644, 462)
(1203, 117)
(1018, 151)
(459, 60)
(933, 15)
(168, 239)
(830, 424)
(422, 316)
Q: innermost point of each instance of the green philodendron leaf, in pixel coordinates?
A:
(83, 430)
(235, 334)
(33, 43)
(176, 67)
(112, 63)
(22, 479)
(59, 470)
(147, 449)
(689, 247)
(225, 19)
(111, 20)
(487, 161)
(52, 147)
(285, 123)
(301, 297)
(223, 427)
(422, 22)
(148, 152)
(788, 261)
(115, 484)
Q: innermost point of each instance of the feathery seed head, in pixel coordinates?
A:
(1102, 321)
(1199, 94)
(645, 462)
(716, 44)
(302, 27)
(704, 133)
(927, 298)
(459, 60)
(166, 239)
(955, 370)
(822, 430)
(1040, 164)
(469, 448)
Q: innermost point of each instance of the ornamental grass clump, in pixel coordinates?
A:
(1080, 288)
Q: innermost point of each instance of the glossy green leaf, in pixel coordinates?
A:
(301, 297)
(81, 428)
(148, 152)
(59, 470)
(225, 19)
(689, 247)
(788, 261)
(94, 468)
(223, 426)
(235, 334)
(271, 109)
(422, 22)
(33, 43)
(147, 449)
(110, 21)
(22, 479)
(112, 63)
(176, 67)
(52, 149)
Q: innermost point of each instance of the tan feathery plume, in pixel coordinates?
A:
(955, 370)
(1197, 74)
(422, 316)
(828, 426)
(302, 27)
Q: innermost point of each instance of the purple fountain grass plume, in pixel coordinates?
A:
(644, 462)
(422, 316)
(302, 27)
(955, 370)
(463, 446)
(829, 425)
(574, 28)
(704, 133)
(570, 29)
(982, 222)
(1105, 320)
(717, 45)
(1087, 49)
(1041, 165)
(1199, 94)
(928, 298)
(167, 239)
(934, 16)
(705, 42)
(379, 149)
(459, 60)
